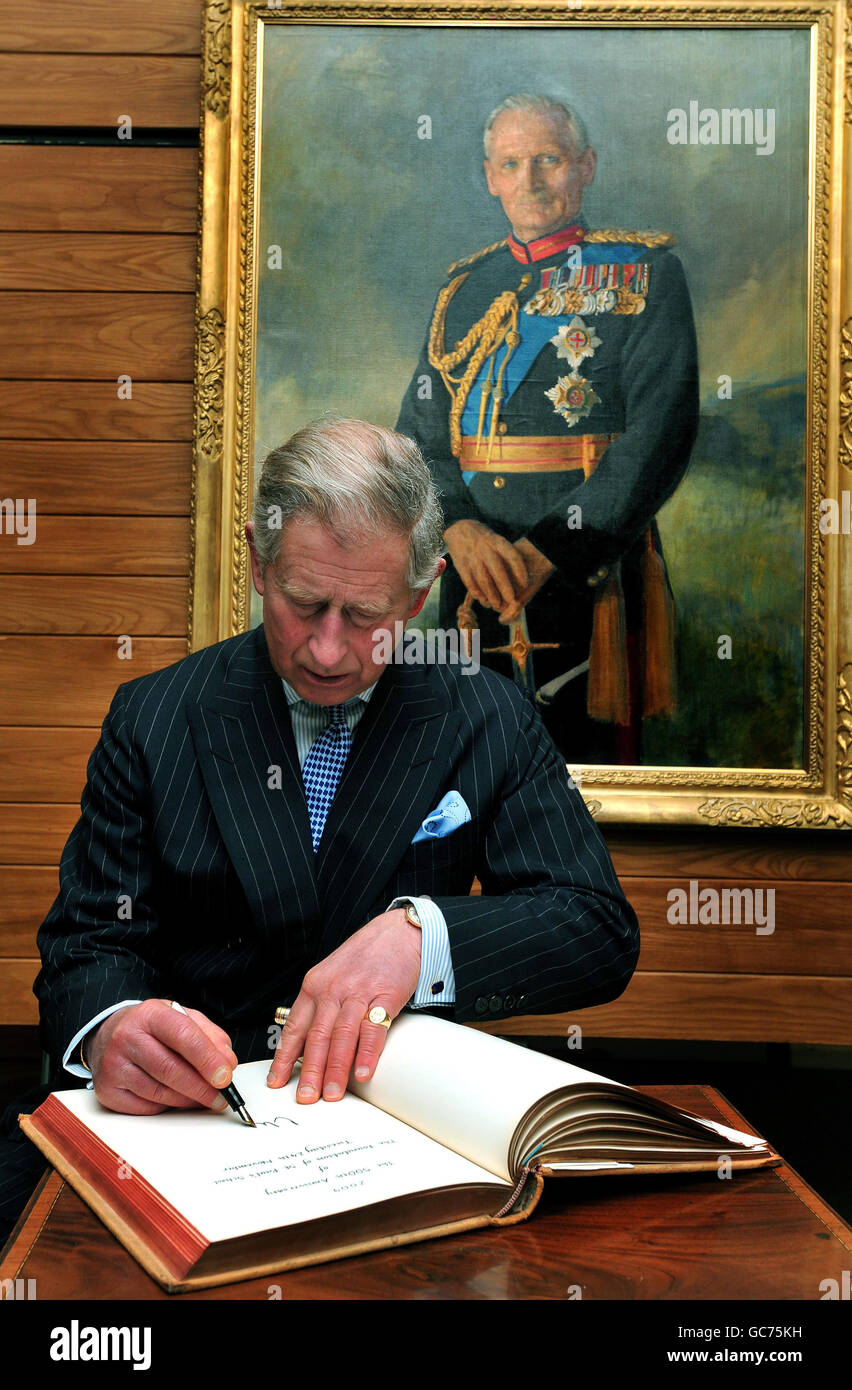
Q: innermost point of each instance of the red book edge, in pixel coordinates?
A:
(175, 1240)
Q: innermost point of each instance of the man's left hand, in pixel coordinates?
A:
(539, 569)
(378, 965)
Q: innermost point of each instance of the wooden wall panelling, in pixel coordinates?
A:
(98, 189)
(18, 1004)
(74, 477)
(800, 942)
(71, 680)
(73, 336)
(92, 410)
(724, 853)
(35, 833)
(43, 764)
(141, 261)
(713, 1007)
(102, 26)
(87, 605)
(100, 545)
(25, 896)
(97, 280)
(74, 89)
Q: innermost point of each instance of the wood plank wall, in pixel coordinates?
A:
(97, 256)
(97, 281)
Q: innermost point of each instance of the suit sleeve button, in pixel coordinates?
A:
(480, 1006)
(509, 1002)
(521, 1001)
(495, 1003)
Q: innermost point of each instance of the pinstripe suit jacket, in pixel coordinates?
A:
(190, 873)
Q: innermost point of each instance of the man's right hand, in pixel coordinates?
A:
(489, 566)
(148, 1057)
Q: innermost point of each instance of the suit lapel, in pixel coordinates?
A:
(247, 755)
(394, 775)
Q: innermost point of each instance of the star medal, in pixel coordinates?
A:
(575, 342)
(573, 398)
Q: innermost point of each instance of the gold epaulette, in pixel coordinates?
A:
(616, 234)
(477, 256)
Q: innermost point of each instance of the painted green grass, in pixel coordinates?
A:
(736, 561)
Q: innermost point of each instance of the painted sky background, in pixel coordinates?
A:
(368, 216)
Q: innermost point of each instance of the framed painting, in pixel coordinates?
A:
(592, 258)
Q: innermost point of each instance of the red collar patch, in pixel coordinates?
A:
(546, 246)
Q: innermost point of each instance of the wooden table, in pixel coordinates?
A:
(760, 1235)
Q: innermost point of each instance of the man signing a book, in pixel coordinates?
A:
(295, 817)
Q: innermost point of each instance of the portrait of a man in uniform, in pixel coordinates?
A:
(571, 262)
(556, 400)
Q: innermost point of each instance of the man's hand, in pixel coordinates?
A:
(489, 566)
(148, 1057)
(539, 569)
(378, 965)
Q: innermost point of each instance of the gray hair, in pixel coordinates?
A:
(355, 479)
(546, 106)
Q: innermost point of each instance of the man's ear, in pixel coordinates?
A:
(487, 167)
(424, 593)
(589, 163)
(256, 568)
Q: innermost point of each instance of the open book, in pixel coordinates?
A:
(457, 1129)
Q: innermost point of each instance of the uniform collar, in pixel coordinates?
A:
(545, 246)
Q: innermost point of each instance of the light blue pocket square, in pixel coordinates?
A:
(448, 815)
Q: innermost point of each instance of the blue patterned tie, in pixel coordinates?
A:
(323, 769)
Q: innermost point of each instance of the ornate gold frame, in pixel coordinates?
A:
(820, 795)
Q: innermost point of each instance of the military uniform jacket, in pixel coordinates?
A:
(632, 373)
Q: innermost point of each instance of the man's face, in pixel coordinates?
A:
(533, 169)
(322, 603)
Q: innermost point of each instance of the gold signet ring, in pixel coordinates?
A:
(380, 1016)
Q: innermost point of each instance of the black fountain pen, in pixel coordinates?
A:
(231, 1094)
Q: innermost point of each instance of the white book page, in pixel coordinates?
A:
(739, 1136)
(468, 1089)
(302, 1162)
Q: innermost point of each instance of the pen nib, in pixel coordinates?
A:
(246, 1117)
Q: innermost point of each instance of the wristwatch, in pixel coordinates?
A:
(412, 915)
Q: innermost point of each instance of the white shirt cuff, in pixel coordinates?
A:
(77, 1068)
(437, 983)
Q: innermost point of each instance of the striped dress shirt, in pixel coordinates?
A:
(436, 984)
